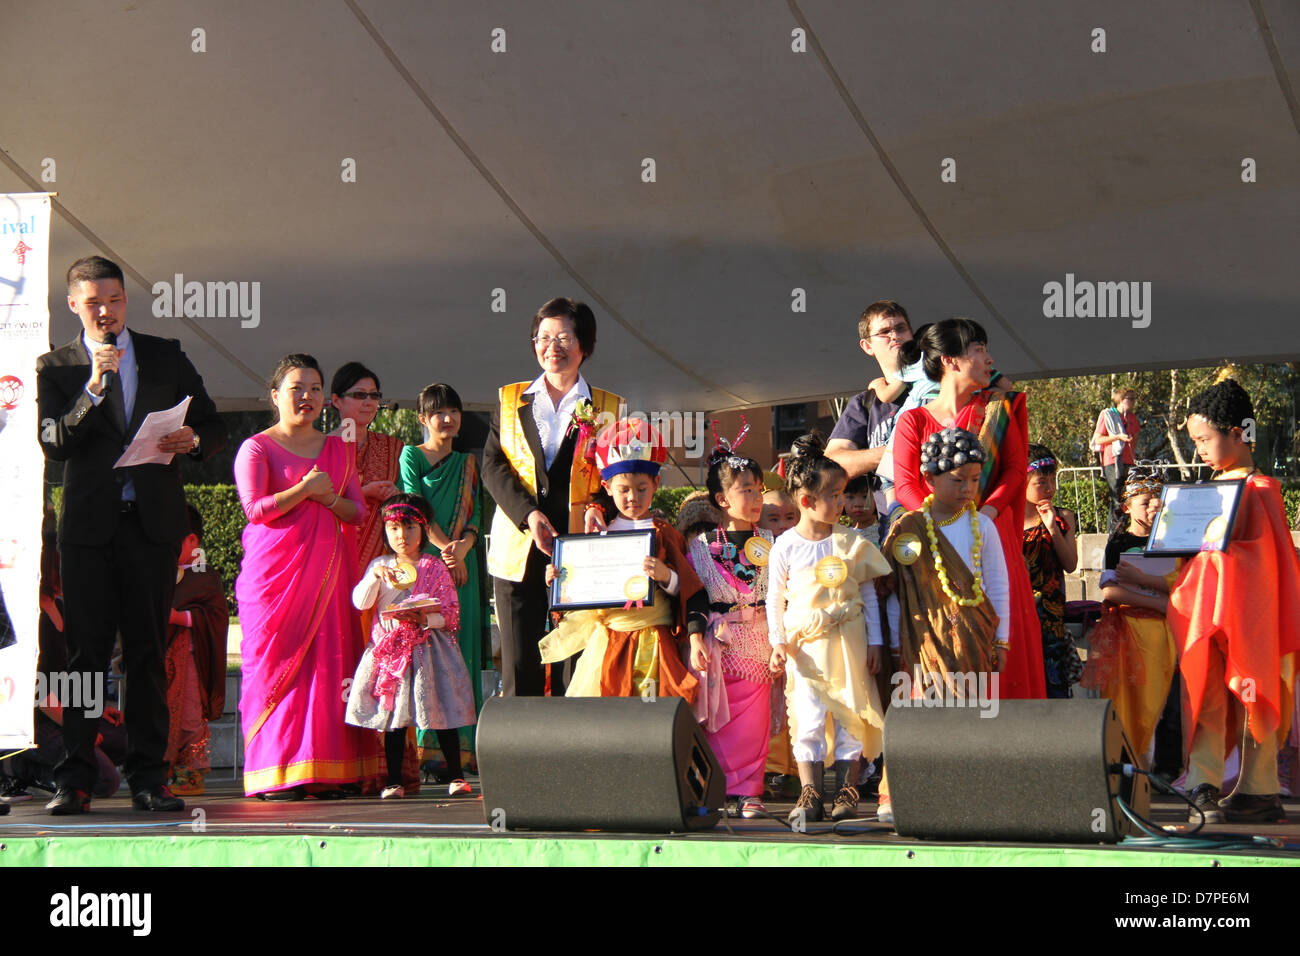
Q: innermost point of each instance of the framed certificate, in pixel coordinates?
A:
(1195, 518)
(602, 570)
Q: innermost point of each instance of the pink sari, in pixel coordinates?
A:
(301, 636)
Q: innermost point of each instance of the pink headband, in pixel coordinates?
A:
(404, 512)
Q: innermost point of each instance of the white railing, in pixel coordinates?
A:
(1074, 475)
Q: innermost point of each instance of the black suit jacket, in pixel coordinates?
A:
(552, 486)
(82, 435)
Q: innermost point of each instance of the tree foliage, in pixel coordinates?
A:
(1063, 412)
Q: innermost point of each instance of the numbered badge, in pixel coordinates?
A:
(831, 571)
(907, 548)
(404, 575)
(757, 549)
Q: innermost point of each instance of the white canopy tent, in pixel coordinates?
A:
(798, 148)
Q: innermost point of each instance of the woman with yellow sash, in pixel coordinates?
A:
(537, 467)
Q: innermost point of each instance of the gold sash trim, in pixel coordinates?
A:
(508, 548)
(581, 629)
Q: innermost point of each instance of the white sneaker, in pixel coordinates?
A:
(457, 787)
(751, 808)
(885, 813)
(392, 793)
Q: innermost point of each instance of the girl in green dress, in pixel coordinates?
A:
(449, 481)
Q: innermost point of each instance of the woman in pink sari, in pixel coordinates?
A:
(956, 356)
(301, 638)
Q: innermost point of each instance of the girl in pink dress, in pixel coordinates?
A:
(731, 659)
(301, 637)
(956, 356)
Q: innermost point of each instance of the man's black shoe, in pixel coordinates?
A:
(67, 802)
(159, 798)
(1253, 808)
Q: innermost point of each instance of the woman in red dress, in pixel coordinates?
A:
(956, 356)
(355, 394)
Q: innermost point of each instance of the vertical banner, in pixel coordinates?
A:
(24, 337)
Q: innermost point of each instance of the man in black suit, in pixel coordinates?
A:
(121, 529)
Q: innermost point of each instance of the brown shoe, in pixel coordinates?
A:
(846, 804)
(1253, 808)
(809, 806)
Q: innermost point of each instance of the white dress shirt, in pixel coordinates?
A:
(553, 422)
(128, 377)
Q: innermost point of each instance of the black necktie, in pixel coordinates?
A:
(115, 406)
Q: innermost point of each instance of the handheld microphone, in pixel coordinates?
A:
(109, 378)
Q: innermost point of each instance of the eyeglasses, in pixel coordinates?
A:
(362, 396)
(563, 341)
(894, 330)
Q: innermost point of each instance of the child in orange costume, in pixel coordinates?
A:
(641, 651)
(1236, 617)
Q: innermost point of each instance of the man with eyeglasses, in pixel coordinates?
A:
(860, 436)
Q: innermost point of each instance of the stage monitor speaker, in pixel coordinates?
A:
(1039, 771)
(597, 763)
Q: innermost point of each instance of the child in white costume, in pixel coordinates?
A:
(824, 625)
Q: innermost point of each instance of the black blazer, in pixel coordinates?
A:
(552, 486)
(82, 435)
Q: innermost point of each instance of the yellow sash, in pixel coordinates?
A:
(508, 547)
(588, 632)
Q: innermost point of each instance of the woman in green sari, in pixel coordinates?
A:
(449, 481)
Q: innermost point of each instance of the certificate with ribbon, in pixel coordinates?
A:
(1195, 518)
(602, 570)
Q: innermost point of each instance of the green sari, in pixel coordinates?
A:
(451, 488)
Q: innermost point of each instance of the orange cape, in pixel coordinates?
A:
(1246, 602)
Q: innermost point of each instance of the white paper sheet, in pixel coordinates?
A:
(143, 449)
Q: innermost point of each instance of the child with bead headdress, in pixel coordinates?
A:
(950, 608)
(823, 622)
(635, 651)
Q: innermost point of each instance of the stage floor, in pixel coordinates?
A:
(224, 828)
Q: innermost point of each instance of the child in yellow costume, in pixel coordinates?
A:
(1131, 653)
(824, 626)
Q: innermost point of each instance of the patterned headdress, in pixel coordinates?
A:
(1145, 480)
(724, 450)
(629, 446)
(951, 448)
